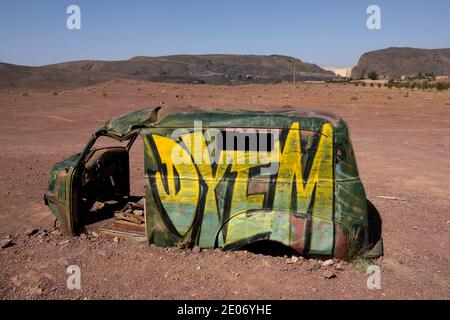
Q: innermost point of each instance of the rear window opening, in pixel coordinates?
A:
(247, 141)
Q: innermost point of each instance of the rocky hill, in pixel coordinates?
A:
(216, 69)
(396, 62)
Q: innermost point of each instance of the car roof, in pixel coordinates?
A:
(190, 116)
(309, 119)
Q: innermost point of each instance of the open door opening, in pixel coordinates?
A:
(104, 201)
(91, 190)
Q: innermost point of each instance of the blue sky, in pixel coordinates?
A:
(320, 31)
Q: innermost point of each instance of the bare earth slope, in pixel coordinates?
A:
(216, 69)
(395, 62)
(402, 144)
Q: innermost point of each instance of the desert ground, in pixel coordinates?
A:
(401, 139)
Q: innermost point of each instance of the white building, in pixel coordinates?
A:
(343, 72)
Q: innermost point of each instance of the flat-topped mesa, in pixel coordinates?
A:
(394, 63)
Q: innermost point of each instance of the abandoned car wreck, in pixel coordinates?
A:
(219, 179)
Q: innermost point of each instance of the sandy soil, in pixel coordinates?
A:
(402, 144)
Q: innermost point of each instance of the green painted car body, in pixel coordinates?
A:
(226, 178)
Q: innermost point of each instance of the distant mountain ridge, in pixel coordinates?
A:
(396, 62)
(212, 68)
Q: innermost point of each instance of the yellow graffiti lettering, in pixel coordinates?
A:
(320, 175)
(317, 187)
(212, 219)
(180, 202)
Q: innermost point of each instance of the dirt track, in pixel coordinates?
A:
(402, 144)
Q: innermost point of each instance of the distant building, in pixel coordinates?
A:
(343, 72)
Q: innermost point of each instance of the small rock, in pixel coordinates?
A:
(198, 268)
(416, 228)
(292, 260)
(327, 263)
(66, 261)
(94, 234)
(31, 231)
(328, 274)
(57, 233)
(34, 291)
(314, 266)
(83, 236)
(116, 239)
(196, 249)
(5, 243)
(340, 267)
(241, 253)
(64, 242)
